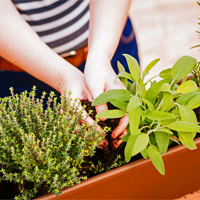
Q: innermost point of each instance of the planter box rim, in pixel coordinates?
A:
(141, 163)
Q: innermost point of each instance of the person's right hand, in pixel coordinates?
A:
(100, 77)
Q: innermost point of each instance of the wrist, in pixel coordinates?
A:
(99, 53)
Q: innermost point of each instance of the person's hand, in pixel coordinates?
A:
(100, 77)
(76, 84)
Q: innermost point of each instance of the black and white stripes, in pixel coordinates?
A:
(61, 24)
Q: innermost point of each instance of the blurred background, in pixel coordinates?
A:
(165, 29)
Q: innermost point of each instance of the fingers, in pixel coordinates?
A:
(88, 120)
(121, 127)
(104, 144)
(100, 108)
(116, 142)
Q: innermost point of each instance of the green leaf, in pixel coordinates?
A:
(184, 126)
(183, 67)
(125, 138)
(120, 67)
(154, 90)
(159, 115)
(149, 104)
(194, 102)
(133, 67)
(105, 97)
(167, 101)
(152, 138)
(186, 87)
(124, 75)
(119, 104)
(184, 99)
(165, 88)
(144, 153)
(166, 73)
(134, 102)
(187, 114)
(134, 120)
(129, 148)
(187, 140)
(111, 114)
(140, 143)
(162, 139)
(166, 130)
(150, 65)
(156, 159)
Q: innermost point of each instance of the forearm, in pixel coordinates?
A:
(21, 45)
(107, 21)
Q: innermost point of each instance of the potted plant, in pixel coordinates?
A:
(162, 115)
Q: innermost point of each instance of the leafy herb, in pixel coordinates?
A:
(161, 113)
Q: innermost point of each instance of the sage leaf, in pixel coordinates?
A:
(129, 148)
(184, 99)
(124, 75)
(133, 67)
(162, 139)
(184, 126)
(166, 130)
(194, 102)
(144, 153)
(187, 114)
(152, 138)
(165, 88)
(159, 115)
(125, 138)
(105, 97)
(154, 90)
(149, 104)
(120, 67)
(134, 120)
(140, 143)
(166, 122)
(183, 67)
(186, 87)
(167, 101)
(151, 65)
(156, 158)
(187, 140)
(111, 114)
(119, 104)
(134, 102)
(166, 73)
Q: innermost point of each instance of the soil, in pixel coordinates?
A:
(107, 156)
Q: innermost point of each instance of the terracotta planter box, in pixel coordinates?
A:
(140, 180)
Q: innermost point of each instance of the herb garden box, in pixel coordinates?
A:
(140, 179)
(45, 151)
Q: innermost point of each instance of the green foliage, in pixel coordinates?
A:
(195, 72)
(158, 114)
(44, 146)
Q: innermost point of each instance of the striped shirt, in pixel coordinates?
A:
(61, 24)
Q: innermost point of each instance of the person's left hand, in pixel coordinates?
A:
(100, 77)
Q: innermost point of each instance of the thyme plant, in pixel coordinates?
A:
(158, 114)
(43, 146)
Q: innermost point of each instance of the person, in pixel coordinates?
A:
(35, 36)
